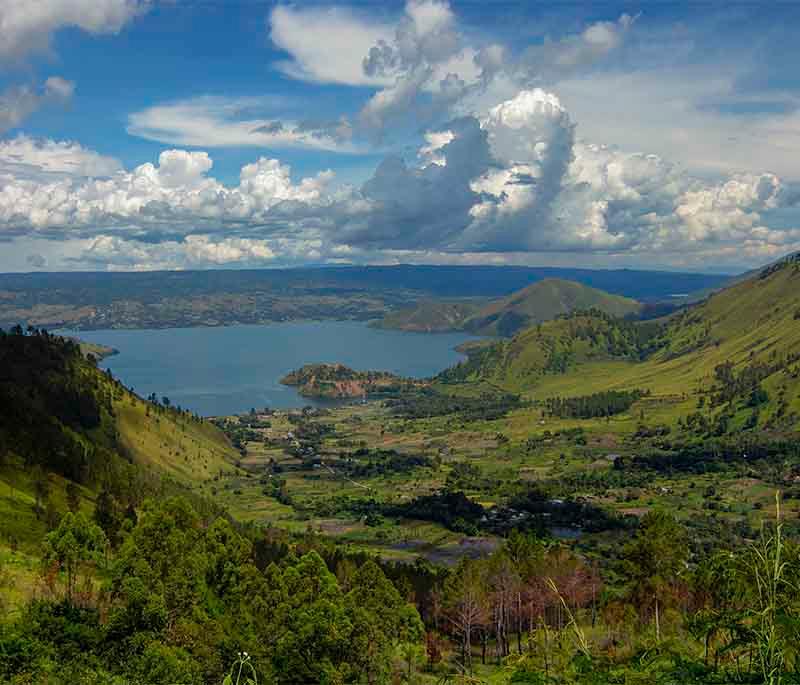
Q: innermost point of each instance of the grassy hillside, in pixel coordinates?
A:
(430, 316)
(68, 431)
(544, 301)
(741, 339)
(538, 302)
(554, 347)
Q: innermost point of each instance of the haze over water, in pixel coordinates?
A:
(227, 370)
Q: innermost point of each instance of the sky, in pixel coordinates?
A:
(192, 134)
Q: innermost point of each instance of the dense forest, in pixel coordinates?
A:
(175, 596)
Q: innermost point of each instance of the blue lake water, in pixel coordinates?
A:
(228, 370)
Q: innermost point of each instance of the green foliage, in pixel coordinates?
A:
(427, 403)
(654, 564)
(607, 403)
(71, 547)
(183, 596)
(555, 348)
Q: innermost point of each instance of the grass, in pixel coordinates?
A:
(20, 574)
(191, 451)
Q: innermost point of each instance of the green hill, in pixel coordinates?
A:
(64, 424)
(336, 381)
(544, 301)
(430, 316)
(727, 349)
(541, 301)
(554, 347)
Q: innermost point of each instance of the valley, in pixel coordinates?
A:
(568, 438)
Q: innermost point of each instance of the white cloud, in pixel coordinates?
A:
(222, 122)
(326, 45)
(672, 112)
(26, 26)
(425, 56)
(533, 188)
(30, 158)
(17, 103)
(517, 181)
(193, 251)
(177, 195)
(555, 59)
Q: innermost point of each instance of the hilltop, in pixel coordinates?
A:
(544, 301)
(540, 301)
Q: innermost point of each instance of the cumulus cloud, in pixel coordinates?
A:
(403, 206)
(177, 193)
(421, 64)
(192, 251)
(519, 181)
(27, 26)
(426, 62)
(223, 122)
(516, 181)
(17, 103)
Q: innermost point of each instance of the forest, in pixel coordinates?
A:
(173, 595)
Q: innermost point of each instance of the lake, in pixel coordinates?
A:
(228, 370)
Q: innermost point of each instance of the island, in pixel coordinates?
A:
(337, 381)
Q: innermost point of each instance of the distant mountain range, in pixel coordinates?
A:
(213, 298)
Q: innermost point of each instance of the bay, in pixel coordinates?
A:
(228, 370)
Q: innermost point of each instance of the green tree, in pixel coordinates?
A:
(73, 496)
(108, 515)
(382, 621)
(76, 543)
(312, 625)
(653, 563)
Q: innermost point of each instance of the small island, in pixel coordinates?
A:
(337, 381)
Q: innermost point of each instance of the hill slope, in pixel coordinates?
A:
(540, 301)
(62, 422)
(544, 301)
(212, 298)
(738, 341)
(430, 316)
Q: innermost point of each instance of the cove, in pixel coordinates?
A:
(228, 370)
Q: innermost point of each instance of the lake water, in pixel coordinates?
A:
(228, 370)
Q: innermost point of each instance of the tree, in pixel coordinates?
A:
(465, 598)
(654, 561)
(73, 497)
(76, 543)
(108, 515)
(381, 620)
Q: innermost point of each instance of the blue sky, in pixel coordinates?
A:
(150, 134)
